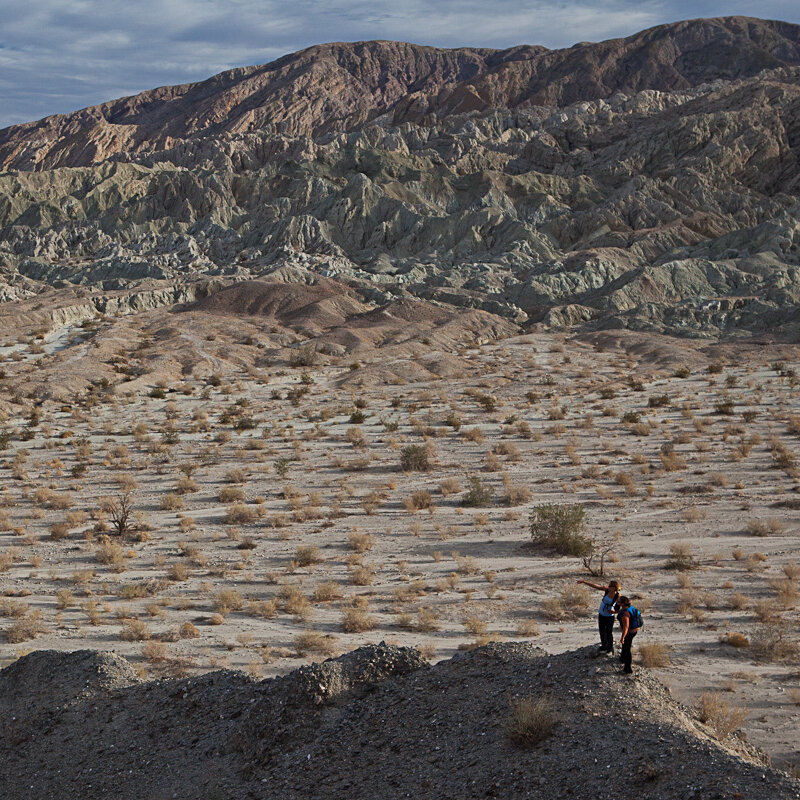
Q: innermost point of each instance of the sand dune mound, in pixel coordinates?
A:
(377, 722)
(322, 304)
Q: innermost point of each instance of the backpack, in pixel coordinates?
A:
(636, 618)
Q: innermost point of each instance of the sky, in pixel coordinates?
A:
(60, 55)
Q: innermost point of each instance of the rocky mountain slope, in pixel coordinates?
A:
(83, 725)
(647, 182)
(340, 87)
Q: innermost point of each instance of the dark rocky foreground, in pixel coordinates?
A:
(376, 723)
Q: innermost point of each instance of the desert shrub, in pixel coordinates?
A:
(765, 611)
(228, 600)
(266, 609)
(241, 514)
(120, 510)
(59, 530)
(737, 601)
(308, 555)
(453, 420)
(735, 639)
(235, 475)
(681, 557)
(772, 642)
(560, 528)
(671, 461)
(188, 631)
(110, 553)
(135, 630)
(786, 592)
(575, 599)
(7, 558)
(772, 526)
(791, 570)
(362, 575)
(231, 494)
(326, 591)
(179, 572)
(357, 619)
(76, 518)
(421, 499)
(478, 495)
(527, 628)
(724, 407)
(658, 401)
(517, 494)
(360, 542)
(427, 621)
(449, 486)
(415, 458)
(492, 462)
(782, 458)
(487, 402)
(508, 449)
(186, 485)
(314, 642)
(475, 625)
(467, 565)
(713, 710)
(154, 652)
(531, 720)
(473, 435)
(653, 655)
(26, 627)
(47, 497)
(304, 356)
(171, 502)
(13, 608)
(133, 591)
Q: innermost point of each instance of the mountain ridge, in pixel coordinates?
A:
(338, 87)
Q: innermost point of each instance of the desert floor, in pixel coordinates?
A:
(272, 523)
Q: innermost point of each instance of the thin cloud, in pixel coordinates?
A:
(56, 56)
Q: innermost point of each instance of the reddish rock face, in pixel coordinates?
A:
(342, 86)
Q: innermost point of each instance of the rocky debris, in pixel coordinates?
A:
(44, 685)
(377, 722)
(657, 194)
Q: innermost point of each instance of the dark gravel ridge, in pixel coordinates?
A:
(376, 723)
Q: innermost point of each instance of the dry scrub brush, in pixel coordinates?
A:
(713, 710)
(531, 720)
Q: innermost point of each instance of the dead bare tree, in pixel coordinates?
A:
(595, 562)
(120, 510)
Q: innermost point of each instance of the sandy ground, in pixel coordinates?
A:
(236, 488)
